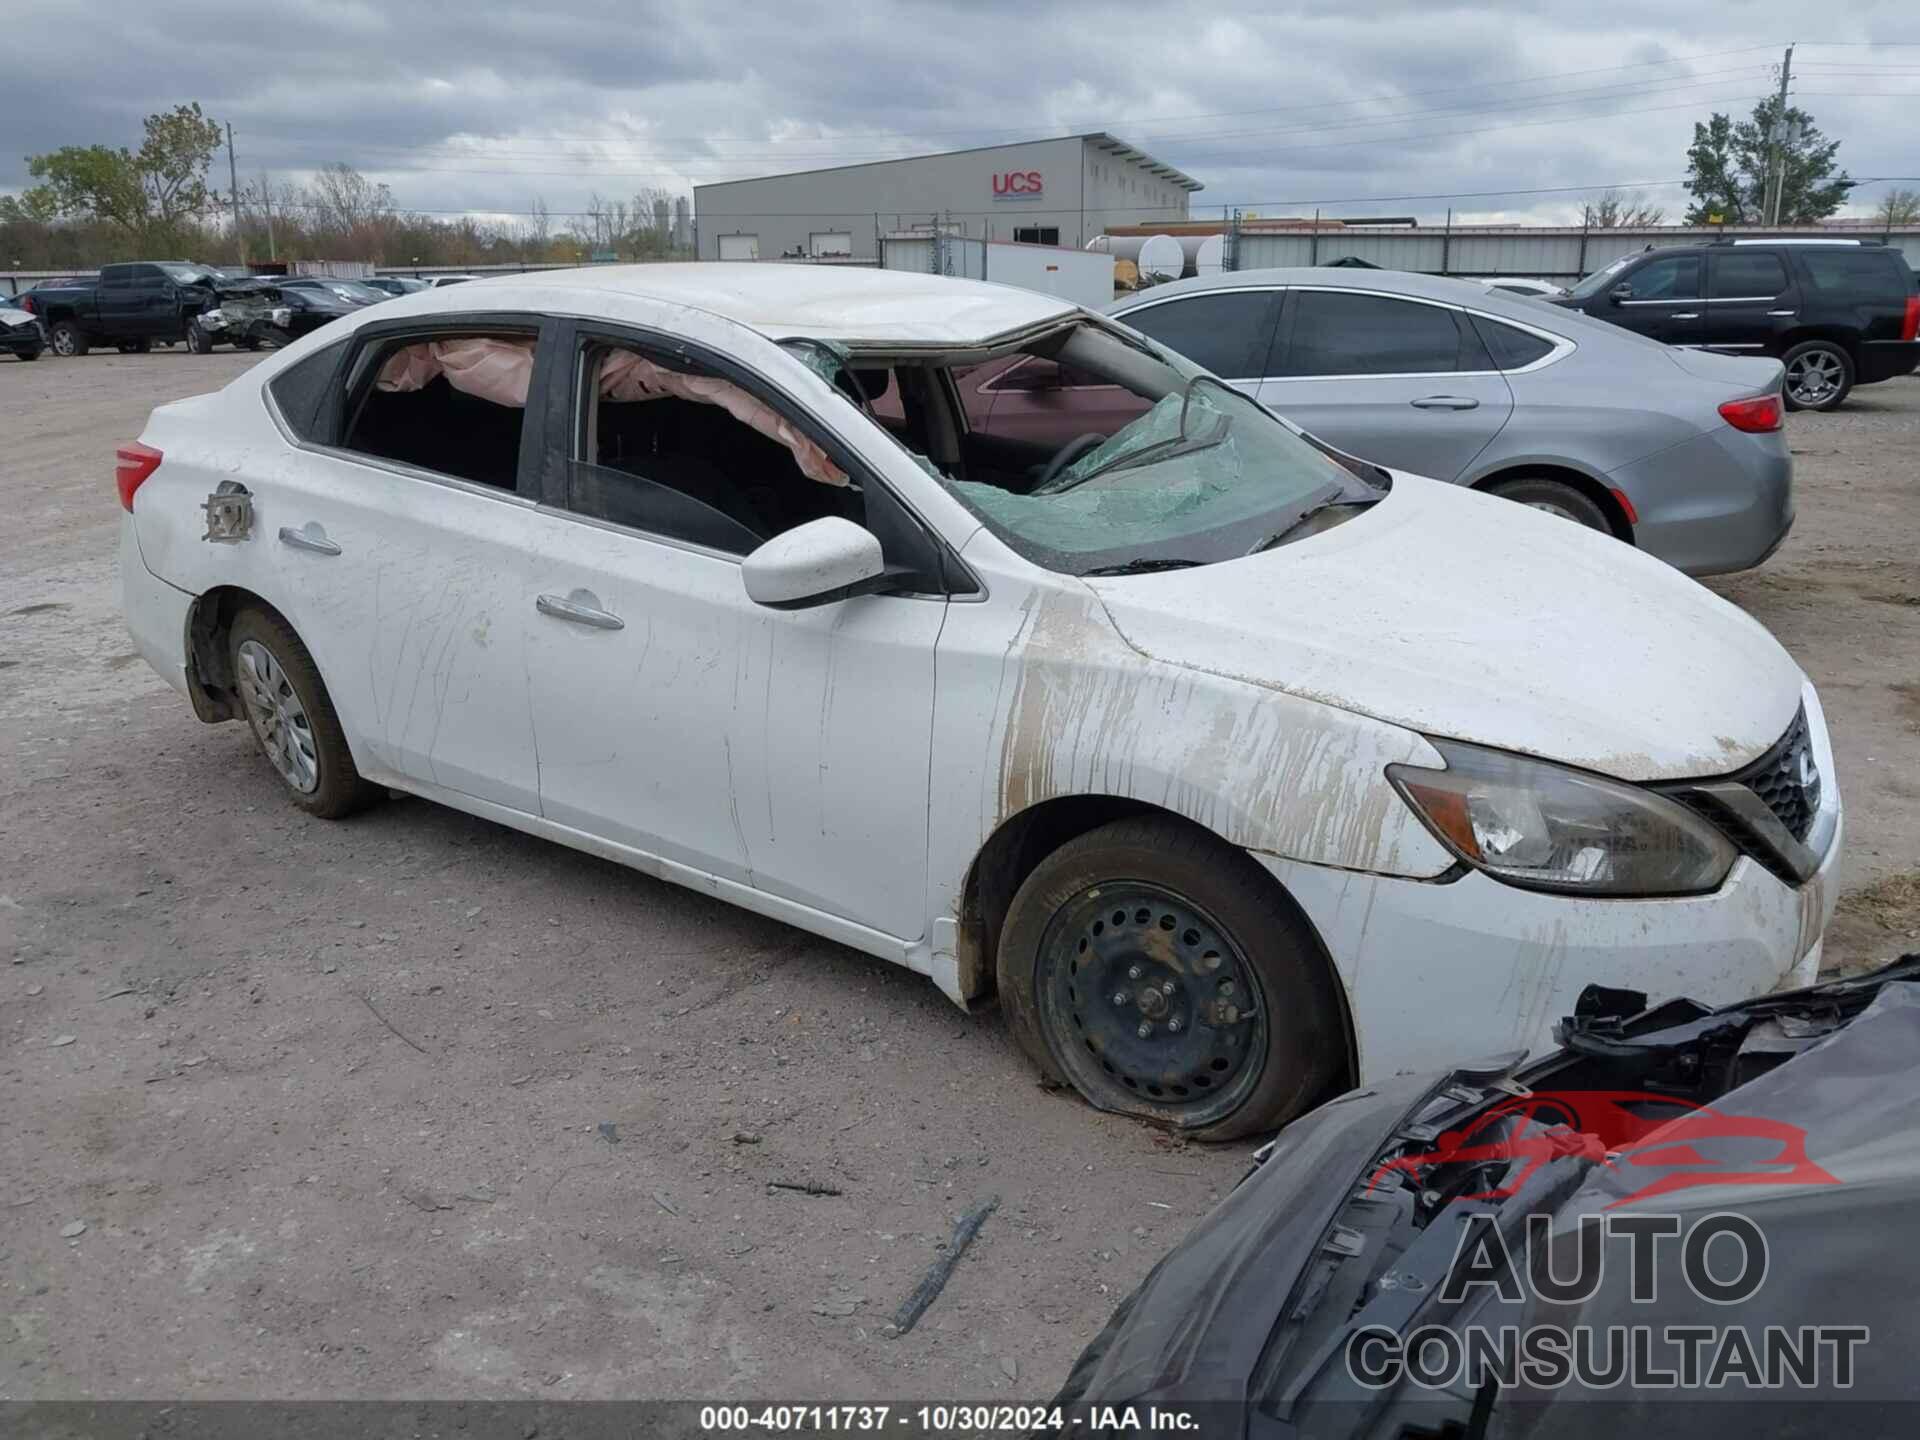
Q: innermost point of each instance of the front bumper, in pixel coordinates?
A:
(23, 339)
(1720, 502)
(1437, 970)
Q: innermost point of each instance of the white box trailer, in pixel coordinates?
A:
(1079, 276)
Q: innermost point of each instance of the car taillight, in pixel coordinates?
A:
(25, 302)
(133, 463)
(1757, 415)
(1910, 327)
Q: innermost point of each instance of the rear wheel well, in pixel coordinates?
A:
(1847, 341)
(1021, 843)
(209, 663)
(1608, 502)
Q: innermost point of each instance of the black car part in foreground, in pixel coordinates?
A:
(1784, 1130)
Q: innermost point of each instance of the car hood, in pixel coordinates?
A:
(9, 315)
(1469, 617)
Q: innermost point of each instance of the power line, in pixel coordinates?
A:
(1085, 127)
(1591, 96)
(1285, 150)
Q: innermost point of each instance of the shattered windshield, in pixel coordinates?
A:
(1092, 452)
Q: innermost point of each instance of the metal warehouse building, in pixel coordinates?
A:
(1044, 192)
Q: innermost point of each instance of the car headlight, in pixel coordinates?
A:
(282, 317)
(1546, 827)
(212, 319)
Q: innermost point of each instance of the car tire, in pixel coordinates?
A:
(33, 354)
(1819, 375)
(292, 718)
(1163, 974)
(136, 347)
(199, 340)
(1556, 497)
(68, 340)
(247, 342)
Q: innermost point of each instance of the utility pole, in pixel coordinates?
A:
(266, 202)
(1777, 172)
(233, 180)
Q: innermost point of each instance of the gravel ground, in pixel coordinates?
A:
(419, 1106)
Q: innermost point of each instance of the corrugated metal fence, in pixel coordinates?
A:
(1548, 253)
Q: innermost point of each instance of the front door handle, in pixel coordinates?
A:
(1689, 315)
(309, 536)
(582, 607)
(1783, 312)
(1445, 402)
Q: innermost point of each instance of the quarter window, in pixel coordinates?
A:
(447, 402)
(302, 390)
(1511, 347)
(1349, 334)
(1672, 277)
(1848, 270)
(1228, 333)
(1753, 275)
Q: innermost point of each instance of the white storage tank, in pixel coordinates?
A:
(1204, 254)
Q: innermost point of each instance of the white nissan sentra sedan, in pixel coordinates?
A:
(1239, 768)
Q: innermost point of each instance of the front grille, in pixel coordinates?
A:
(1787, 778)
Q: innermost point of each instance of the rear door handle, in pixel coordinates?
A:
(581, 607)
(1445, 402)
(1783, 312)
(310, 536)
(1688, 315)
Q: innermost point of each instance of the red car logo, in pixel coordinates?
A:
(1657, 1135)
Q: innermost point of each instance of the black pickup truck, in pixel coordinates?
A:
(131, 306)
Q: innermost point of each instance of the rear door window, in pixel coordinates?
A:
(1229, 332)
(450, 402)
(1748, 275)
(1343, 333)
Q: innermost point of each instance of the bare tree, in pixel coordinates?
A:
(1611, 210)
(1900, 206)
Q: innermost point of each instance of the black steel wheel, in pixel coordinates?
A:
(1162, 973)
(1145, 997)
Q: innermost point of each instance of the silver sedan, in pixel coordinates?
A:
(1677, 451)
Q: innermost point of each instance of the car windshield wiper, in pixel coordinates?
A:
(1143, 564)
(1279, 537)
(1172, 446)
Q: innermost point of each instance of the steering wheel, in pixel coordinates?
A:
(1065, 456)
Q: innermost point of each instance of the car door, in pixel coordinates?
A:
(1402, 382)
(782, 750)
(1661, 298)
(117, 300)
(400, 554)
(1751, 301)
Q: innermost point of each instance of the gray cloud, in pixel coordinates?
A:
(487, 105)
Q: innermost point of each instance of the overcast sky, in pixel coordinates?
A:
(488, 105)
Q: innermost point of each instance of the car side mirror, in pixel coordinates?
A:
(816, 564)
(1622, 291)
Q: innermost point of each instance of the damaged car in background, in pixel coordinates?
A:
(1502, 1250)
(269, 312)
(1240, 769)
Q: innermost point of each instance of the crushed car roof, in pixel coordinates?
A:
(784, 301)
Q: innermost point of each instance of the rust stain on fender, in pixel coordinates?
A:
(1086, 714)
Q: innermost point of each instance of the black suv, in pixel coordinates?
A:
(1838, 313)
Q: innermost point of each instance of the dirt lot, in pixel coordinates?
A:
(419, 1106)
